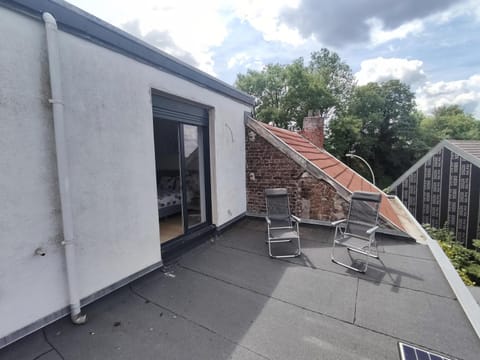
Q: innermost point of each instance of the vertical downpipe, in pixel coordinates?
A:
(62, 167)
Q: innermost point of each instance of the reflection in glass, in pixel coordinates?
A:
(169, 191)
(194, 174)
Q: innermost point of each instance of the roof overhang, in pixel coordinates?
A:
(77, 22)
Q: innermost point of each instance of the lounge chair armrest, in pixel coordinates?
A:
(296, 219)
(372, 230)
(269, 222)
(338, 222)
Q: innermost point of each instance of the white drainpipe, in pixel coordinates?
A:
(62, 167)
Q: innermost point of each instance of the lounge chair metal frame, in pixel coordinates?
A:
(282, 226)
(357, 231)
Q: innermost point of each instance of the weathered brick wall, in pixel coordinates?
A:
(267, 167)
(313, 130)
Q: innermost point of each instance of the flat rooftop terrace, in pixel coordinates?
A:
(226, 299)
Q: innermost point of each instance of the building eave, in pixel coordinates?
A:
(75, 21)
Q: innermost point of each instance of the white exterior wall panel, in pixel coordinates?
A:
(109, 127)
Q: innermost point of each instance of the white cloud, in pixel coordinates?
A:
(462, 8)
(465, 93)
(196, 27)
(379, 36)
(192, 30)
(264, 16)
(429, 95)
(237, 59)
(343, 22)
(383, 69)
(193, 26)
(244, 60)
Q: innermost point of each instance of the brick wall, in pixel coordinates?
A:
(267, 167)
(313, 130)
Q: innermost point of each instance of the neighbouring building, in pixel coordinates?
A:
(443, 188)
(319, 185)
(112, 153)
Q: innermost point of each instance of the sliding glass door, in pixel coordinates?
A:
(181, 151)
(194, 168)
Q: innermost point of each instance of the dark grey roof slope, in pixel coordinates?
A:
(471, 147)
(216, 306)
(468, 149)
(82, 24)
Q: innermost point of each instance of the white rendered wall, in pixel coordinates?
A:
(112, 167)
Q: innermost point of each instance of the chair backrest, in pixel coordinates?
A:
(278, 207)
(363, 212)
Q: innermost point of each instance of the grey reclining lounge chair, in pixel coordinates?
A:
(357, 232)
(282, 226)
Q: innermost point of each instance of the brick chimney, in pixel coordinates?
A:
(313, 129)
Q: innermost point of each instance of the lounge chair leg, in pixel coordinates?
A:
(349, 266)
(363, 252)
(297, 253)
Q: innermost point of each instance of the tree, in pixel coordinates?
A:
(269, 88)
(306, 91)
(449, 122)
(384, 129)
(335, 74)
(286, 93)
(343, 134)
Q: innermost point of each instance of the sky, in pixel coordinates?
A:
(432, 45)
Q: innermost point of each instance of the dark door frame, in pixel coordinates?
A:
(166, 107)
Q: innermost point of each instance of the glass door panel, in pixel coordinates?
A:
(194, 175)
(169, 179)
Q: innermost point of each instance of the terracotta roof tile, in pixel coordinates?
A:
(334, 168)
(344, 177)
(301, 148)
(313, 156)
(325, 163)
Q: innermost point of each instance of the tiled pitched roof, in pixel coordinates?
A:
(334, 168)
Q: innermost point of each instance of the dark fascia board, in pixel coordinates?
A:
(84, 25)
(443, 144)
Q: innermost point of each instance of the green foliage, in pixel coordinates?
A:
(336, 75)
(286, 93)
(382, 123)
(378, 121)
(346, 132)
(473, 273)
(449, 122)
(269, 88)
(465, 261)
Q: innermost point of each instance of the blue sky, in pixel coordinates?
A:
(433, 45)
